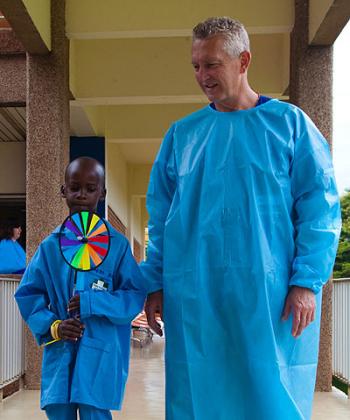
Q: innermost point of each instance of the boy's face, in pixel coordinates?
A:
(83, 187)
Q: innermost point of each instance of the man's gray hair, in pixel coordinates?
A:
(233, 31)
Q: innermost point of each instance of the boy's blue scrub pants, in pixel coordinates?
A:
(69, 412)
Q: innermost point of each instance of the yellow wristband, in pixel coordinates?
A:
(54, 329)
(54, 332)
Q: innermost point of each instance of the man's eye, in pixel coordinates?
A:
(195, 67)
(92, 189)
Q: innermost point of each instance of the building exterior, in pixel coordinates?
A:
(106, 77)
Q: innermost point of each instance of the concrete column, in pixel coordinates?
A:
(311, 90)
(13, 80)
(47, 152)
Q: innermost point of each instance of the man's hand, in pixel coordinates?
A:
(154, 304)
(74, 306)
(70, 329)
(301, 303)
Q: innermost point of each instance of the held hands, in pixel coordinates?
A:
(74, 306)
(300, 302)
(72, 329)
(154, 304)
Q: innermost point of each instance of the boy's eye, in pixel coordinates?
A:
(74, 188)
(92, 189)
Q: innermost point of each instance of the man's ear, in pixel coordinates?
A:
(63, 191)
(245, 58)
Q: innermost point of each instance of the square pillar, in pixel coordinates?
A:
(47, 152)
(311, 89)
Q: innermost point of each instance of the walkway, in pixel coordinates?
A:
(147, 384)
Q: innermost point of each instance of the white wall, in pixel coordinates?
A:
(138, 184)
(139, 178)
(126, 188)
(137, 220)
(117, 182)
(12, 168)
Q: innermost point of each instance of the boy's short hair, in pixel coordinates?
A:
(87, 160)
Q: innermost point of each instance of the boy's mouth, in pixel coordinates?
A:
(79, 207)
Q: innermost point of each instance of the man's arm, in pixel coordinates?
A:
(161, 190)
(316, 222)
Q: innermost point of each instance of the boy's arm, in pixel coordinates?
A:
(32, 298)
(122, 305)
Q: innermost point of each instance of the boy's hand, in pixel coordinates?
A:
(74, 306)
(70, 329)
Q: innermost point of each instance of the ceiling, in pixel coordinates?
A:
(130, 65)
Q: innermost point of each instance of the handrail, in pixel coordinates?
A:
(343, 279)
(341, 329)
(12, 277)
(11, 332)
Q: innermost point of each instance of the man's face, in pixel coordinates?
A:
(218, 73)
(83, 188)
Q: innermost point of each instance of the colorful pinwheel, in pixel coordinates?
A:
(84, 241)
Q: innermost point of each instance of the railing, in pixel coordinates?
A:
(11, 333)
(341, 330)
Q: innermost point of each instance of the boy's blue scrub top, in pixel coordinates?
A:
(242, 206)
(12, 257)
(93, 371)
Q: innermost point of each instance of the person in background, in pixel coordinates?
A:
(12, 255)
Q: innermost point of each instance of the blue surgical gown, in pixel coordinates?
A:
(12, 257)
(93, 371)
(243, 205)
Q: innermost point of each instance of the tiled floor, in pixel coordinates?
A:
(331, 406)
(146, 381)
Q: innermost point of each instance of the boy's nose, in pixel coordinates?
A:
(82, 193)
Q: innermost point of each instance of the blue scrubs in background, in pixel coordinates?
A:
(12, 257)
(90, 375)
(243, 205)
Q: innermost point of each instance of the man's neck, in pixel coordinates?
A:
(246, 99)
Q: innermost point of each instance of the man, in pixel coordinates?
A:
(244, 224)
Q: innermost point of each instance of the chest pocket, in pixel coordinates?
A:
(94, 280)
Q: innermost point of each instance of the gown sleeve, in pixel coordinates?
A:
(123, 304)
(160, 194)
(33, 300)
(316, 217)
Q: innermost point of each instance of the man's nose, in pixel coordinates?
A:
(201, 75)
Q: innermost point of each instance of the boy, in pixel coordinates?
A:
(87, 367)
